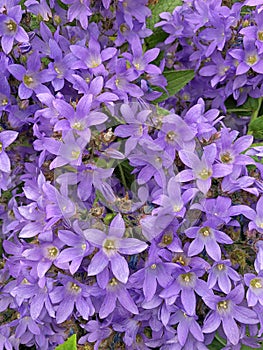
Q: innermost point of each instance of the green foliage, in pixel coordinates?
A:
(62, 5)
(256, 127)
(70, 344)
(176, 81)
(123, 173)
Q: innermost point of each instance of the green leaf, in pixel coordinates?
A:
(62, 5)
(157, 37)
(250, 106)
(160, 6)
(70, 344)
(256, 127)
(215, 345)
(176, 81)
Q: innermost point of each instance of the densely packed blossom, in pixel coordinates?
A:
(132, 223)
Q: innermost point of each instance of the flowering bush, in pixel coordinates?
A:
(131, 174)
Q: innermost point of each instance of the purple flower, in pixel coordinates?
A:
(255, 215)
(80, 10)
(92, 57)
(230, 148)
(217, 68)
(207, 237)
(121, 82)
(186, 285)
(89, 178)
(78, 247)
(135, 127)
(140, 61)
(95, 87)
(175, 134)
(6, 138)
(79, 119)
(202, 169)
(255, 32)
(42, 257)
(186, 325)
(39, 8)
(97, 331)
(247, 58)
(174, 202)
(139, 10)
(38, 296)
(68, 152)
(226, 310)
(32, 78)
(61, 67)
(110, 246)
(255, 288)
(116, 291)
(10, 29)
(222, 274)
(218, 210)
(155, 270)
(72, 294)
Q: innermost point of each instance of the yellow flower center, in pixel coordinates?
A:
(222, 305)
(256, 283)
(28, 80)
(53, 252)
(123, 28)
(260, 36)
(113, 282)
(75, 154)
(226, 157)
(176, 208)
(252, 59)
(220, 267)
(170, 136)
(205, 231)
(11, 26)
(153, 266)
(57, 70)
(4, 102)
(94, 64)
(109, 245)
(74, 287)
(181, 260)
(167, 239)
(77, 126)
(186, 277)
(205, 174)
(1, 147)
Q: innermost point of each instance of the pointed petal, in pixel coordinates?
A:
(96, 237)
(108, 305)
(231, 329)
(98, 263)
(120, 267)
(65, 309)
(126, 301)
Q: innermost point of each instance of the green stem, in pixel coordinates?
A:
(256, 144)
(254, 115)
(220, 340)
(122, 176)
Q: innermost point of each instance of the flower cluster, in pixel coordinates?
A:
(222, 45)
(131, 225)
